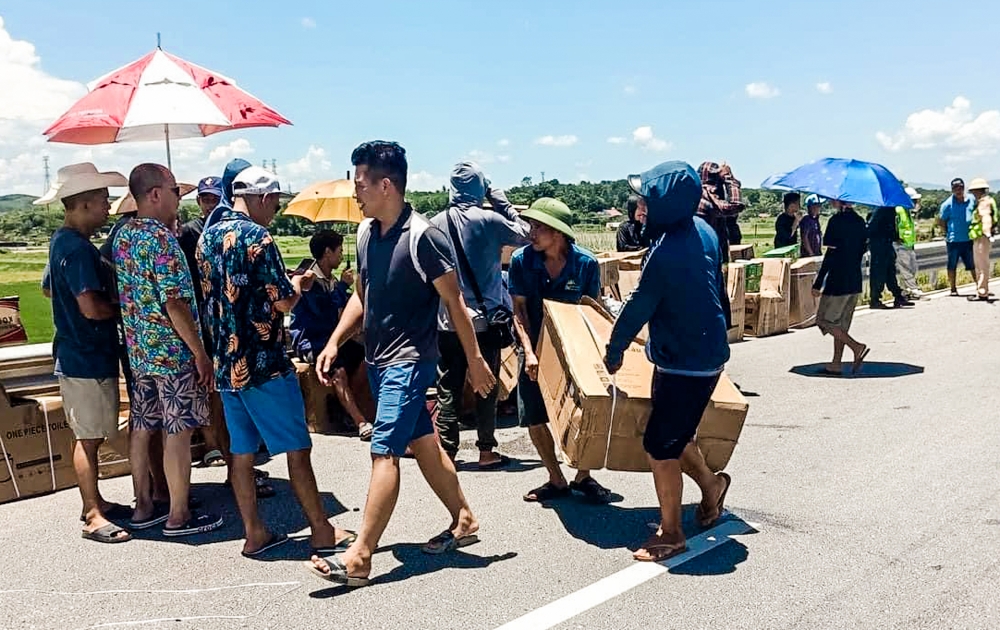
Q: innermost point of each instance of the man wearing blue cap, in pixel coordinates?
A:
(680, 296)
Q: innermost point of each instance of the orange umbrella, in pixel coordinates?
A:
(327, 201)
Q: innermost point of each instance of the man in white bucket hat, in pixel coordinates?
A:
(84, 308)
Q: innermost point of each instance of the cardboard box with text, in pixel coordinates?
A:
(36, 443)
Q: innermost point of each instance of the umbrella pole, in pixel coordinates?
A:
(166, 134)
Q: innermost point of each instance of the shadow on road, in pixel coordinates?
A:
(516, 466)
(870, 369)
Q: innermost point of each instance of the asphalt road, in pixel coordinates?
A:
(874, 503)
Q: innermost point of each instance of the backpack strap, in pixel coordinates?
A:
(418, 225)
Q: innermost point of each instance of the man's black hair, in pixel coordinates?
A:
(323, 240)
(383, 159)
(144, 178)
(631, 205)
(790, 198)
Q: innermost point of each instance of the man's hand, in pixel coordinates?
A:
(481, 377)
(816, 293)
(612, 365)
(324, 363)
(206, 371)
(305, 281)
(347, 277)
(531, 365)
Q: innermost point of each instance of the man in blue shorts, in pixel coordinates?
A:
(405, 272)
(680, 297)
(246, 296)
(954, 218)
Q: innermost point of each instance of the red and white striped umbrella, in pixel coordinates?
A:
(160, 96)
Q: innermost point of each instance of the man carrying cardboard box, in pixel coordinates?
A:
(553, 267)
(84, 310)
(680, 297)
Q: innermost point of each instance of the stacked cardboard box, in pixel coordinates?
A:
(802, 305)
(36, 444)
(741, 252)
(11, 329)
(767, 310)
(508, 373)
(753, 270)
(609, 275)
(315, 395)
(598, 420)
(736, 288)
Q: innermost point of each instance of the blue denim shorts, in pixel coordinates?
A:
(960, 251)
(272, 412)
(401, 394)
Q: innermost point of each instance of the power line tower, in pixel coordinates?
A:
(48, 180)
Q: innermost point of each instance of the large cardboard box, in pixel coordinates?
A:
(722, 424)
(579, 394)
(801, 303)
(767, 310)
(507, 380)
(627, 282)
(315, 395)
(112, 456)
(736, 288)
(11, 329)
(609, 275)
(753, 270)
(36, 444)
(741, 252)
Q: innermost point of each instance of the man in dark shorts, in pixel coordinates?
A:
(552, 267)
(838, 284)
(954, 218)
(315, 318)
(405, 272)
(680, 296)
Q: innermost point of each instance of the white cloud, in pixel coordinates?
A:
(824, 87)
(423, 181)
(644, 137)
(503, 159)
(761, 89)
(630, 90)
(961, 134)
(239, 147)
(503, 143)
(481, 157)
(557, 141)
(313, 166)
(617, 140)
(308, 22)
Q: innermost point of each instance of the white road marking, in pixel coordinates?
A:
(612, 586)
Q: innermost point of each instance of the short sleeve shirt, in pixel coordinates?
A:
(242, 277)
(957, 215)
(846, 233)
(151, 270)
(530, 279)
(83, 348)
(401, 308)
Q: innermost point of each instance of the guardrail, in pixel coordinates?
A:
(933, 257)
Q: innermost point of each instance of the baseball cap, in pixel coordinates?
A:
(234, 168)
(210, 185)
(672, 191)
(255, 180)
(912, 192)
(958, 181)
(553, 213)
(813, 200)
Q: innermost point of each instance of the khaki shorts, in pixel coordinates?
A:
(91, 406)
(836, 311)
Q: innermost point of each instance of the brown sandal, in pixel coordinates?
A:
(658, 552)
(707, 520)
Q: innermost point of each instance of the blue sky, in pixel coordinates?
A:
(591, 90)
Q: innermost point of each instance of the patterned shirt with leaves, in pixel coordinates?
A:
(242, 276)
(151, 269)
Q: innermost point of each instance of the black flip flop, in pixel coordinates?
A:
(197, 524)
(591, 490)
(337, 574)
(858, 362)
(500, 464)
(161, 512)
(340, 547)
(447, 541)
(276, 540)
(547, 492)
(109, 534)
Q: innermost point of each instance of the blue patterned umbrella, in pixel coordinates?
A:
(862, 183)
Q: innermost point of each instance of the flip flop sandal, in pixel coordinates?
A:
(116, 512)
(856, 367)
(365, 431)
(214, 459)
(340, 547)
(499, 464)
(591, 490)
(161, 512)
(547, 492)
(719, 506)
(199, 524)
(261, 474)
(658, 553)
(276, 540)
(337, 574)
(447, 541)
(264, 489)
(109, 534)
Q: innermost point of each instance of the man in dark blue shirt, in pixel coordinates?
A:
(84, 310)
(553, 267)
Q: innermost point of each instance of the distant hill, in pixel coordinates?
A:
(994, 185)
(15, 202)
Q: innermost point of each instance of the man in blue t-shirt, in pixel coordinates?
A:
(680, 296)
(954, 218)
(84, 310)
(552, 267)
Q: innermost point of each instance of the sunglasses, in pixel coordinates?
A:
(174, 189)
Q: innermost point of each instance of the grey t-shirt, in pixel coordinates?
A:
(483, 234)
(400, 307)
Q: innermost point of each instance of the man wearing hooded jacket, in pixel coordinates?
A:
(481, 235)
(680, 296)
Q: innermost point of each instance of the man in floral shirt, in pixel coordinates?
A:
(246, 296)
(173, 374)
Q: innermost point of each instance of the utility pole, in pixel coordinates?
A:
(543, 176)
(48, 182)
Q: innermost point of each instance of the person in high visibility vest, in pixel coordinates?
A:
(984, 217)
(906, 254)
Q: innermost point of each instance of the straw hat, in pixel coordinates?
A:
(78, 178)
(979, 184)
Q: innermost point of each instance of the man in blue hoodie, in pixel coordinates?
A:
(680, 296)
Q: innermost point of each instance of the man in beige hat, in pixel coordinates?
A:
(84, 308)
(984, 216)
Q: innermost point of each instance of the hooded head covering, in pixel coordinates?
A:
(672, 191)
(467, 187)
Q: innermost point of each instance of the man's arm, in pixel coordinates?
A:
(513, 229)
(95, 306)
(350, 321)
(638, 310)
(521, 327)
(480, 375)
(179, 312)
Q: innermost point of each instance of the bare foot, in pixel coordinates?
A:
(466, 524)
(324, 540)
(94, 523)
(256, 540)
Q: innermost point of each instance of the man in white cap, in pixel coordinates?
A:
(246, 297)
(84, 309)
(906, 255)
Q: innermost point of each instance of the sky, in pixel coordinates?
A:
(585, 90)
